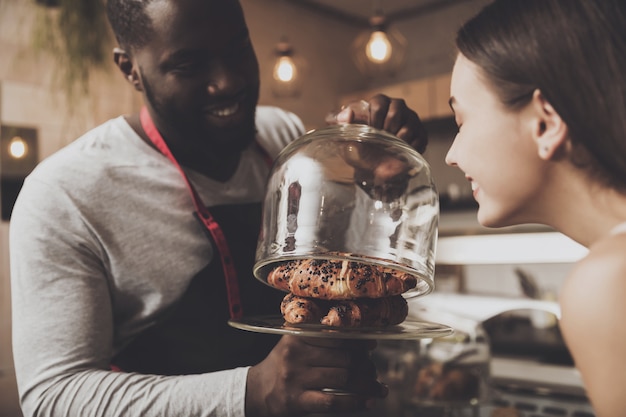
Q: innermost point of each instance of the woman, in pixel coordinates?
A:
(539, 96)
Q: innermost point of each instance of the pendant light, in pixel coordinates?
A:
(287, 71)
(379, 51)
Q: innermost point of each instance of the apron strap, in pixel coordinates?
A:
(205, 217)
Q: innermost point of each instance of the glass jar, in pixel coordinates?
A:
(351, 192)
(453, 371)
(446, 376)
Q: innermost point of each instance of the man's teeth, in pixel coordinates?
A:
(474, 186)
(226, 111)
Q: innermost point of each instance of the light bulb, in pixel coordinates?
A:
(285, 69)
(18, 147)
(378, 48)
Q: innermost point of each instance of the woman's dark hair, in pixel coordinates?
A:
(574, 51)
(130, 23)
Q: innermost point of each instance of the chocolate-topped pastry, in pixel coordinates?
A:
(362, 312)
(339, 279)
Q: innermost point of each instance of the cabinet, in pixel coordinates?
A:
(427, 96)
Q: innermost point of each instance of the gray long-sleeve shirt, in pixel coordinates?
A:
(87, 277)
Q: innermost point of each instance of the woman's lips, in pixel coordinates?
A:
(474, 186)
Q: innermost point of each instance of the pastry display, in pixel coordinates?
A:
(339, 279)
(341, 293)
(349, 232)
(364, 312)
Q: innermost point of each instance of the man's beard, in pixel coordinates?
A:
(192, 134)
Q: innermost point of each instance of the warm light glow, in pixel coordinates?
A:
(285, 69)
(378, 48)
(18, 147)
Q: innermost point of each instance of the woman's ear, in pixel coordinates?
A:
(125, 64)
(550, 131)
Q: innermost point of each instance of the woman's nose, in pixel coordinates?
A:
(450, 156)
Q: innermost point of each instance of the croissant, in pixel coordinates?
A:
(298, 310)
(339, 280)
(365, 312)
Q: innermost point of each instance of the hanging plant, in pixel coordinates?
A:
(77, 34)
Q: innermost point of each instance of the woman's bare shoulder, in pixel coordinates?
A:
(604, 267)
(596, 285)
(594, 321)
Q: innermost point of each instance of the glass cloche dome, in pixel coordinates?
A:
(351, 192)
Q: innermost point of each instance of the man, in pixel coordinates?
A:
(121, 294)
